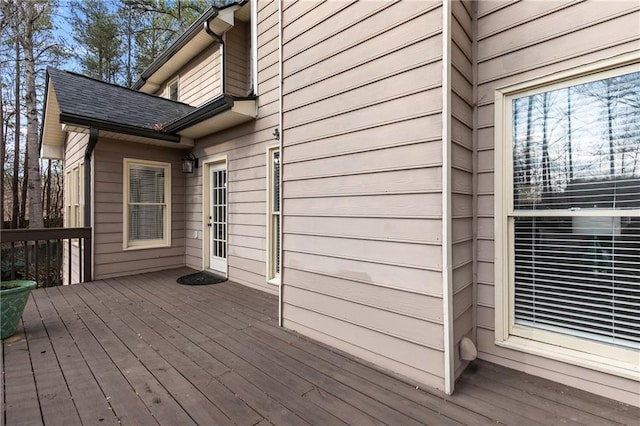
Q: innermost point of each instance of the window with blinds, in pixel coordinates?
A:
(147, 209)
(274, 214)
(574, 214)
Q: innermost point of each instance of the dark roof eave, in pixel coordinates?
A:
(109, 126)
(181, 41)
(208, 110)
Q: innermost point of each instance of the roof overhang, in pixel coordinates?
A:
(57, 124)
(191, 43)
(181, 143)
(219, 114)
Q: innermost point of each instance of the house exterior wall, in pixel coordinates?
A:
(200, 80)
(362, 191)
(245, 148)
(110, 260)
(362, 173)
(517, 42)
(74, 150)
(237, 44)
(462, 240)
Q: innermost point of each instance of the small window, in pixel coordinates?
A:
(173, 90)
(147, 200)
(570, 166)
(274, 221)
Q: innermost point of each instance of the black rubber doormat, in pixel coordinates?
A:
(200, 278)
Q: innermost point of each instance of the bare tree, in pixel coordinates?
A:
(32, 15)
(16, 145)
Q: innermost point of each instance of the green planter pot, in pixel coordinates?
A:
(13, 299)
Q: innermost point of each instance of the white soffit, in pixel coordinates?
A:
(184, 141)
(241, 112)
(53, 136)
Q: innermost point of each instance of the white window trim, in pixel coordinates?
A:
(139, 245)
(67, 199)
(171, 82)
(272, 277)
(573, 350)
(254, 46)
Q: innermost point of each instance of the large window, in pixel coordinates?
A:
(570, 225)
(273, 219)
(147, 208)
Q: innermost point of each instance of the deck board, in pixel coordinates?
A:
(55, 398)
(89, 399)
(126, 405)
(142, 350)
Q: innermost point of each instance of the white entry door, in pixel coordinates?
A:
(218, 217)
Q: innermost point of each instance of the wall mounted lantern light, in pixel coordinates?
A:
(189, 162)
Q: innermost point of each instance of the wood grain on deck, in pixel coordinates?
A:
(143, 350)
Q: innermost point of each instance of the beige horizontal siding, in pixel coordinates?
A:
(462, 250)
(518, 42)
(109, 258)
(200, 80)
(245, 147)
(75, 148)
(237, 51)
(363, 181)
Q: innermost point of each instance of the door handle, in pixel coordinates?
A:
(208, 224)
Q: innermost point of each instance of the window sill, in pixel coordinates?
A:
(274, 281)
(604, 364)
(152, 245)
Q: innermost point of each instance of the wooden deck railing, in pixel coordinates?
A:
(39, 255)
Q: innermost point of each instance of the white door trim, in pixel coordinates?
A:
(207, 165)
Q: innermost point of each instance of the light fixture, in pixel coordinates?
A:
(189, 162)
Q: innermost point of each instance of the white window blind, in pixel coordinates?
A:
(147, 203)
(274, 213)
(276, 210)
(574, 217)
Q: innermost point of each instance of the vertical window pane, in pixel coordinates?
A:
(276, 220)
(173, 91)
(578, 147)
(146, 222)
(146, 184)
(276, 181)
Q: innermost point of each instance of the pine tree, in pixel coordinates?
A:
(99, 37)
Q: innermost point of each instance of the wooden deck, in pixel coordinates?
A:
(143, 350)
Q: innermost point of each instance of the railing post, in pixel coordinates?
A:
(13, 260)
(47, 261)
(69, 260)
(25, 251)
(37, 248)
(87, 258)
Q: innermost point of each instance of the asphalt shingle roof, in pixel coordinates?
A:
(86, 97)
